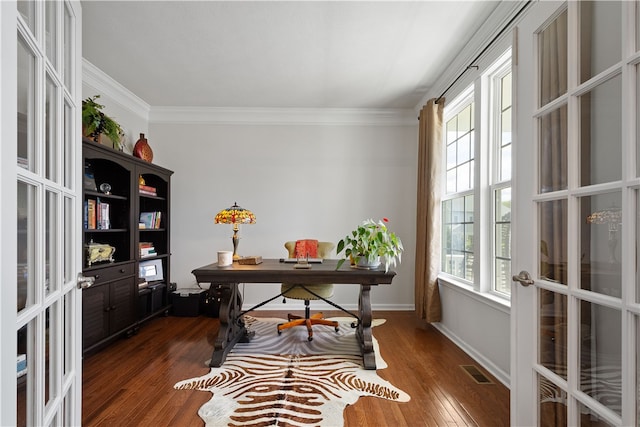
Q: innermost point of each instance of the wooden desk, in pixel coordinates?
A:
(232, 328)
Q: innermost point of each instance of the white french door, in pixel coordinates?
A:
(41, 245)
(576, 304)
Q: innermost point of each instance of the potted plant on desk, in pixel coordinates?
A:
(370, 244)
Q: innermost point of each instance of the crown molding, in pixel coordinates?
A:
(284, 116)
(102, 82)
(500, 17)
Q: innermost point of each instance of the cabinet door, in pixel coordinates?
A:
(122, 309)
(95, 319)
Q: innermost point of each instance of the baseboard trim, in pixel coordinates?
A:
(501, 375)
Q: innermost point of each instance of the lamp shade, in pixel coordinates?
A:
(235, 215)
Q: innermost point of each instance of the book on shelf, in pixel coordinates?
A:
(96, 215)
(147, 189)
(143, 284)
(91, 214)
(147, 252)
(102, 212)
(149, 220)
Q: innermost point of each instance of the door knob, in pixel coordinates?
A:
(524, 278)
(85, 282)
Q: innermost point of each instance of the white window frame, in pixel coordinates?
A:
(483, 93)
(460, 103)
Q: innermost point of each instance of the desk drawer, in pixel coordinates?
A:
(108, 274)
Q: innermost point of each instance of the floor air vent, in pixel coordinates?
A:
(475, 373)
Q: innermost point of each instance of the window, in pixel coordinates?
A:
(476, 201)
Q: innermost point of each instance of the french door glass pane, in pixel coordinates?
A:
(601, 270)
(553, 241)
(637, 255)
(600, 133)
(26, 244)
(51, 31)
(67, 49)
(49, 355)
(553, 150)
(26, 9)
(51, 134)
(552, 59)
(26, 113)
(26, 337)
(638, 112)
(51, 243)
(600, 36)
(552, 328)
(67, 325)
(67, 146)
(552, 403)
(601, 354)
(591, 419)
(637, 387)
(67, 241)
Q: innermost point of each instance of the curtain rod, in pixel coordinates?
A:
(507, 25)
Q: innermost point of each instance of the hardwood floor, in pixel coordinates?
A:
(131, 381)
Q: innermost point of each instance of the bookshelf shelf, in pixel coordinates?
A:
(116, 305)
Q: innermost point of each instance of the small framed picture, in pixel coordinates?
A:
(151, 270)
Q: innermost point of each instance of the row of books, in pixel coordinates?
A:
(147, 189)
(149, 220)
(147, 249)
(96, 215)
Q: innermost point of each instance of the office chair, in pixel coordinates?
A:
(294, 291)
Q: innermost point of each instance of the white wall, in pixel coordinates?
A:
(477, 325)
(301, 180)
(121, 105)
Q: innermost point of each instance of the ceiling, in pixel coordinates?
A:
(268, 54)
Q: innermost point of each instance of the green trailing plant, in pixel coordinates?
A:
(95, 122)
(370, 240)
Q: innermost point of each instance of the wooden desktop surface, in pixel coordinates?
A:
(232, 328)
(274, 271)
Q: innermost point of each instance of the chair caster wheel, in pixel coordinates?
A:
(279, 331)
(354, 325)
(336, 329)
(310, 339)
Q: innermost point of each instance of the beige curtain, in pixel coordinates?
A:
(427, 295)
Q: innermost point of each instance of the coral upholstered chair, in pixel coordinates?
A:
(290, 290)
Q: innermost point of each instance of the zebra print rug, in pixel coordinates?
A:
(287, 381)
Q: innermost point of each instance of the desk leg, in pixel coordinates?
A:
(365, 336)
(232, 329)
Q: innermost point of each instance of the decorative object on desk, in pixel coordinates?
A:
(370, 244)
(95, 123)
(225, 258)
(142, 150)
(293, 371)
(250, 260)
(105, 187)
(612, 217)
(235, 215)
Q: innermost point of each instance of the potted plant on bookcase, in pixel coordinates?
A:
(95, 123)
(370, 244)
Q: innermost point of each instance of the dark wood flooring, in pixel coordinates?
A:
(131, 381)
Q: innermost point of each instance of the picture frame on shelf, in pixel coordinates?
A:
(151, 270)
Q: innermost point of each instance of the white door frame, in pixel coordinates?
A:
(65, 380)
(525, 316)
